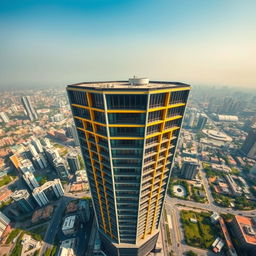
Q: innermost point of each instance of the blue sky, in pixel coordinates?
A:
(54, 43)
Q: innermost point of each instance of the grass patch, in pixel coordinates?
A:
(12, 235)
(5, 180)
(201, 234)
(18, 247)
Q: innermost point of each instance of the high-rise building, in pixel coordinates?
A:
(51, 154)
(26, 165)
(73, 162)
(189, 168)
(24, 201)
(4, 117)
(30, 179)
(128, 132)
(37, 144)
(29, 109)
(4, 222)
(201, 121)
(249, 146)
(72, 133)
(61, 167)
(50, 190)
(40, 161)
(191, 118)
(32, 150)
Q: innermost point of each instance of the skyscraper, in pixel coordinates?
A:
(201, 121)
(189, 168)
(4, 117)
(249, 146)
(30, 111)
(128, 132)
(30, 179)
(23, 199)
(73, 162)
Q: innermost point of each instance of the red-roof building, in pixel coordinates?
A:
(245, 230)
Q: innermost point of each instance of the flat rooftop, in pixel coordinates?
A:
(244, 223)
(132, 83)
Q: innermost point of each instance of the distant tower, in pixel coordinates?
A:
(4, 117)
(189, 168)
(30, 111)
(249, 146)
(201, 121)
(128, 132)
(191, 119)
(73, 162)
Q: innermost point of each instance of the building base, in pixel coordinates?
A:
(143, 248)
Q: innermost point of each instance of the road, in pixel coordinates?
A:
(54, 224)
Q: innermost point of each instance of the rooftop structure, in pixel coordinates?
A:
(220, 136)
(68, 226)
(228, 118)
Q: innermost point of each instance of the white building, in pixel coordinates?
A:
(49, 189)
(32, 150)
(4, 117)
(69, 226)
(61, 167)
(40, 197)
(40, 161)
(30, 179)
(26, 166)
(4, 222)
(37, 144)
(215, 217)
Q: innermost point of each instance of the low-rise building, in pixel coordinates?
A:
(69, 225)
(215, 217)
(245, 231)
(4, 222)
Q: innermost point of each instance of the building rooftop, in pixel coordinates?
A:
(69, 222)
(247, 228)
(20, 194)
(132, 83)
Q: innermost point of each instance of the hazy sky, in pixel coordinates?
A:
(55, 43)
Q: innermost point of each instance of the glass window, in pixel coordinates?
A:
(179, 97)
(172, 123)
(179, 111)
(99, 117)
(126, 143)
(127, 101)
(155, 116)
(153, 128)
(126, 118)
(77, 97)
(97, 100)
(126, 131)
(157, 100)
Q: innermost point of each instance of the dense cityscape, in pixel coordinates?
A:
(46, 205)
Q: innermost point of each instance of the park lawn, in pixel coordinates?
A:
(5, 180)
(201, 234)
(12, 235)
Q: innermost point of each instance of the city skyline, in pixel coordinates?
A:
(196, 42)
